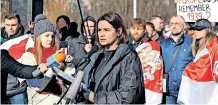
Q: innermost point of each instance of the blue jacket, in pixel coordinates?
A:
(183, 57)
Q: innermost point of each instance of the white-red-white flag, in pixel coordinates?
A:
(152, 66)
(17, 46)
(199, 83)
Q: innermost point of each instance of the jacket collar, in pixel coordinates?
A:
(130, 40)
(180, 40)
(20, 32)
(121, 51)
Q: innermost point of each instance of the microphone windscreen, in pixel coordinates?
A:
(60, 57)
(75, 86)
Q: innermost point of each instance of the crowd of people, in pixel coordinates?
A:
(149, 63)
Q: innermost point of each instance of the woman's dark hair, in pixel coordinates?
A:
(66, 18)
(151, 25)
(116, 21)
(88, 18)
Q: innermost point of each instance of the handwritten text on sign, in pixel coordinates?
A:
(193, 10)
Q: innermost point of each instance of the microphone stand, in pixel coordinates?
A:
(62, 96)
(82, 17)
(68, 100)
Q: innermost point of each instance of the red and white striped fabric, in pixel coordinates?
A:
(17, 46)
(152, 66)
(200, 79)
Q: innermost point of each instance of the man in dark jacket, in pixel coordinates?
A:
(149, 55)
(13, 27)
(16, 89)
(11, 66)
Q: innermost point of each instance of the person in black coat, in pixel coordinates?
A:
(11, 66)
(113, 75)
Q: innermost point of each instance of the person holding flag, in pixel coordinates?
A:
(14, 40)
(151, 60)
(200, 78)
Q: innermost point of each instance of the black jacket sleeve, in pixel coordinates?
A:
(131, 89)
(11, 66)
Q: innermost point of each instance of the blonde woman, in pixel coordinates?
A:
(47, 90)
(200, 78)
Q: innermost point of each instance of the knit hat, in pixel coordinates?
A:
(42, 24)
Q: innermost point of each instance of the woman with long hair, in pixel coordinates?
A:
(113, 75)
(46, 90)
(200, 78)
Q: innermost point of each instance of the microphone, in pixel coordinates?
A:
(64, 76)
(36, 73)
(53, 60)
(74, 87)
